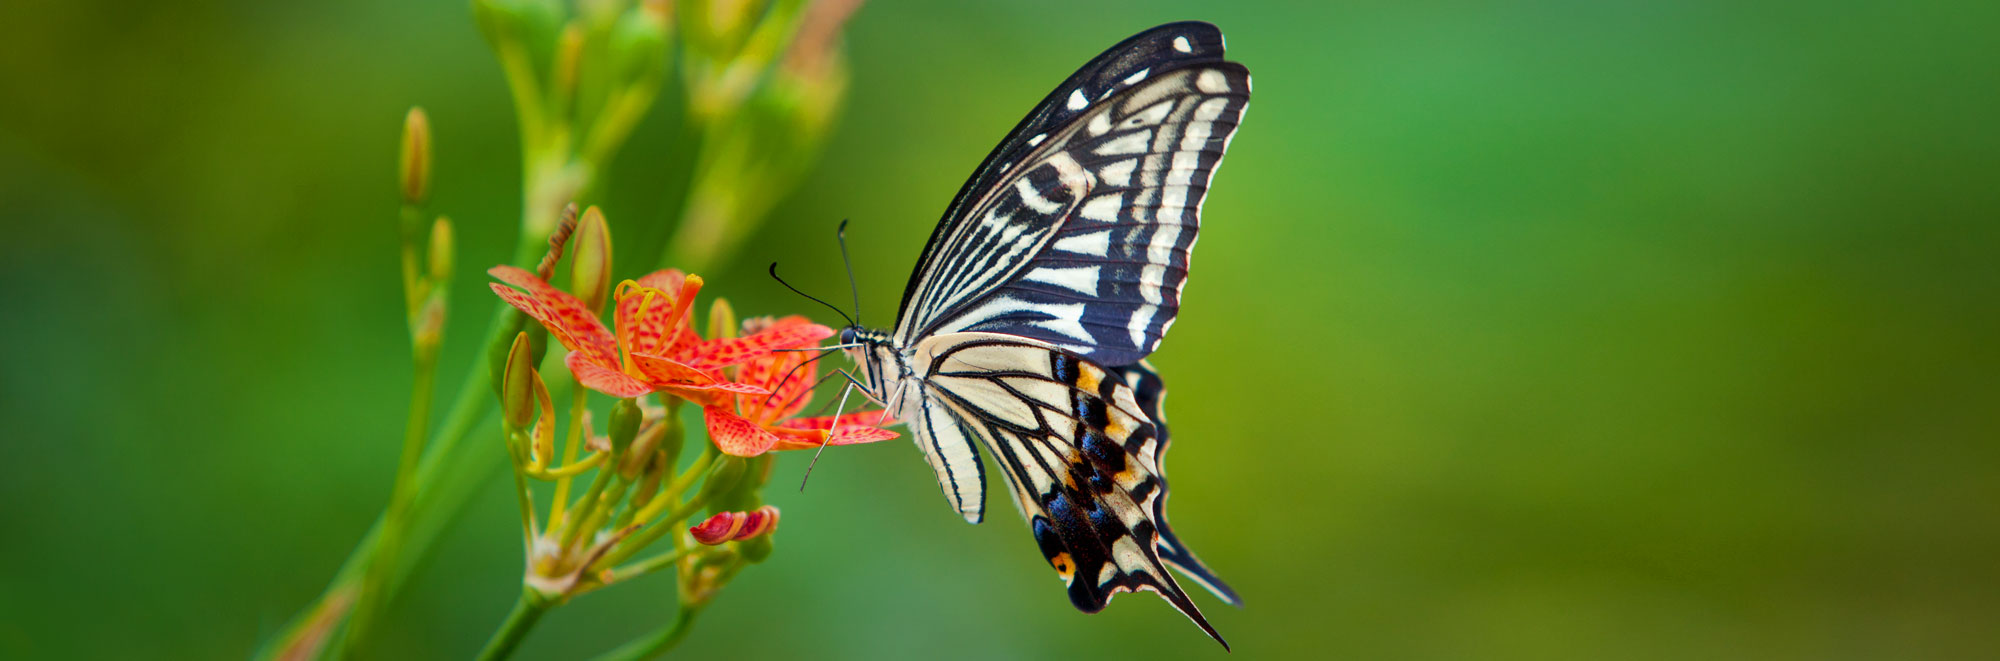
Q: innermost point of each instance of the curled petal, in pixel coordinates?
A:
(717, 529)
(724, 353)
(576, 326)
(734, 435)
(603, 379)
(735, 526)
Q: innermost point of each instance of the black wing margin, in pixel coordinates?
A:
(1158, 50)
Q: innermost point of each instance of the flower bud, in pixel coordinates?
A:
(721, 320)
(517, 390)
(413, 166)
(569, 50)
(517, 23)
(590, 264)
(443, 248)
(512, 323)
(672, 437)
(716, 29)
(639, 43)
(427, 330)
(625, 419)
(649, 482)
(727, 471)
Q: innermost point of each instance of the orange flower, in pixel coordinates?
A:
(759, 423)
(655, 348)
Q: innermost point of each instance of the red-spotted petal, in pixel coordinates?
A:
(792, 438)
(665, 370)
(726, 352)
(572, 324)
(604, 379)
(856, 419)
(734, 435)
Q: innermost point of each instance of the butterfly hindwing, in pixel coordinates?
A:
(1082, 457)
(1150, 392)
(1081, 239)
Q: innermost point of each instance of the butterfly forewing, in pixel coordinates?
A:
(1082, 237)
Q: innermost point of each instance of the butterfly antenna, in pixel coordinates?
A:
(810, 297)
(830, 429)
(841, 236)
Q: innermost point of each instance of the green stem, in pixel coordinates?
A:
(396, 520)
(656, 643)
(527, 611)
(438, 498)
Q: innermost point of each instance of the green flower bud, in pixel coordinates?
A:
(413, 166)
(639, 44)
(755, 549)
(443, 249)
(672, 438)
(625, 419)
(514, 324)
(517, 389)
(590, 265)
(721, 320)
(727, 472)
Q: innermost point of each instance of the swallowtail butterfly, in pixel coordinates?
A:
(1054, 272)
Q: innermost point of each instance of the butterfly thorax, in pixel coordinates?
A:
(884, 366)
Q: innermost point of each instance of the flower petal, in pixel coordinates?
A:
(719, 528)
(663, 370)
(604, 379)
(726, 352)
(858, 419)
(791, 438)
(734, 435)
(572, 324)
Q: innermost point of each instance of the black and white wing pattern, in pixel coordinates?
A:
(1053, 274)
(1076, 229)
(1082, 447)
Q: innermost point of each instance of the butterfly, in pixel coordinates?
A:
(1053, 274)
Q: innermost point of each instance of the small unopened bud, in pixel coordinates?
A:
(756, 549)
(625, 419)
(672, 437)
(590, 265)
(736, 526)
(649, 482)
(443, 249)
(428, 328)
(727, 471)
(721, 320)
(517, 389)
(639, 43)
(413, 166)
(569, 50)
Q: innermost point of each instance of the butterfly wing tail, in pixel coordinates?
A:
(1149, 391)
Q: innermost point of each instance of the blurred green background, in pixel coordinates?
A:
(1551, 330)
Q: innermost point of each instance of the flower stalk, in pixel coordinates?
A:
(581, 78)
